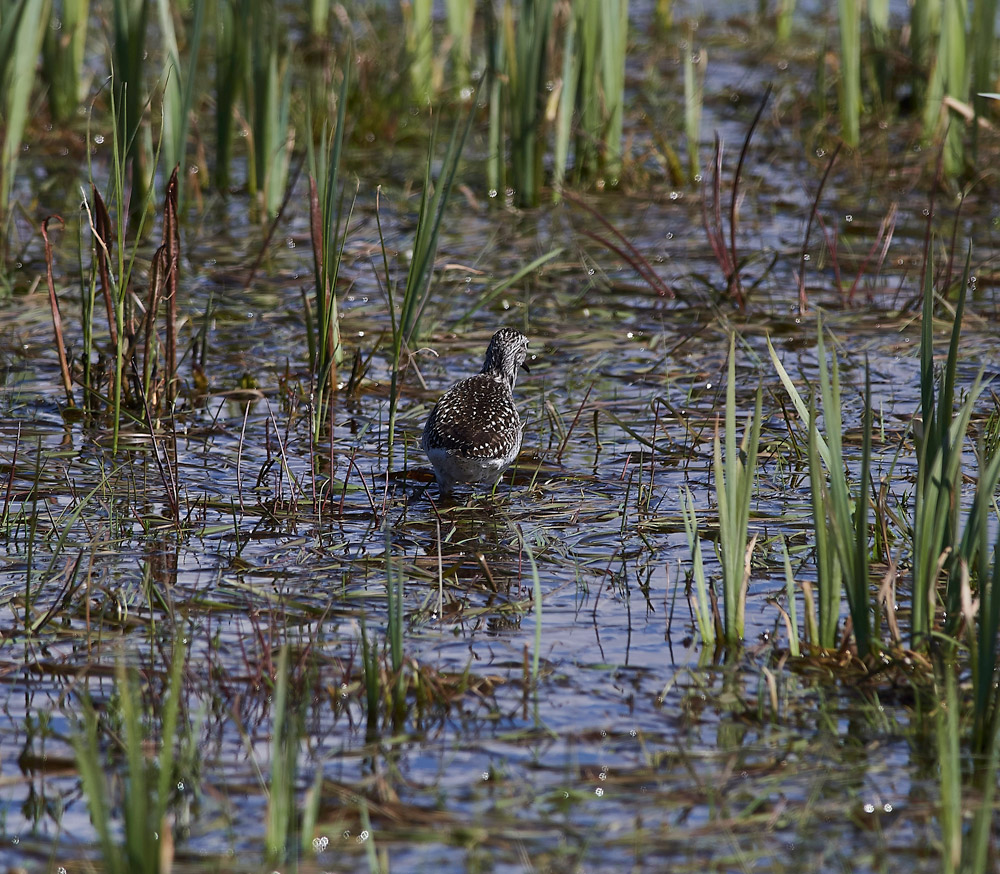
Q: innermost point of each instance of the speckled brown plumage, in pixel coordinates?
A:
(474, 432)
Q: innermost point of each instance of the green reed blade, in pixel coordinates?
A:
(829, 577)
(588, 93)
(878, 24)
(783, 20)
(460, 17)
(231, 26)
(284, 748)
(373, 686)
(948, 736)
(319, 17)
(495, 91)
(21, 32)
(793, 608)
(702, 607)
(800, 406)
(503, 285)
(178, 88)
(92, 767)
(567, 104)
(420, 45)
(953, 42)
(128, 68)
(614, 43)
(694, 82)
(984, 53)
(63, 50)
(849, 16)
(925, 25)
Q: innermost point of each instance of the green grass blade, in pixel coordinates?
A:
(694, 82)
(614, 42)
(703, 610)
(793, 611)
(734, 479)
(849, 16)
(92, 766)
(21, 41)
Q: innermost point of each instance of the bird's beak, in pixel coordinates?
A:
(525, 367)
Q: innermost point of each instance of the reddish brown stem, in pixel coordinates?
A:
(56, 318)
(805, 239)
(102, 229)
(172, 243)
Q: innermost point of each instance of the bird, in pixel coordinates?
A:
(474, 432)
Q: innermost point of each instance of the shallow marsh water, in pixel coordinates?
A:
(636, 749)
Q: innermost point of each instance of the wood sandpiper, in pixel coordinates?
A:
(474, 432)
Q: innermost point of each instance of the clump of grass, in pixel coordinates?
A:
(21, 29)
(939, 543)
(593, 91)
(521, 78)
(146, 843)
(231, 24)
(329, 235)
(140, 379)
(840, 518)
(948, 79)
(734, 480)
(129, 56)
(268, 92)
(178, 84)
